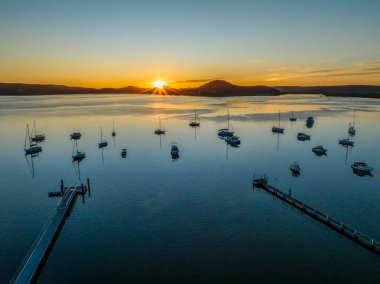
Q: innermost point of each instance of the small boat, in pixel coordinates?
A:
(233, 140)
(113, 129)
(351, 127)
(351, 130)
(295, 168)
(292, 118)
(302, 136)
(309, 121)
(77, 155)
(346, 142)
(37, 137)
(160, 130)
(226, 132)
(278, 129)
(124, 153)
(102, 143)
(195, 123)
(361, 167)
(174, 149)
(319, 150)
(75, 136)
(33, 148)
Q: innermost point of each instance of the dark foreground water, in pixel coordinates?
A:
(194, 219)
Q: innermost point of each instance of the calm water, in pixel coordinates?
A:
(195, 219)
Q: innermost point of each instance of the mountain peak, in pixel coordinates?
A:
(217, 84)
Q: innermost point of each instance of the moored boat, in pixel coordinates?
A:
(75, 136)
(292, 118)
(160, 130)
(302, 136)
(346, 142)
(309, 121)
(124, 153)
(362, 167)
(319, 150)
(226, 132)
(295, 168)
(174, 149)
(113, 129)
(103, 142)
(194, 123)
(37, 137)
(233, 140)
(33, 147)
(278, 129)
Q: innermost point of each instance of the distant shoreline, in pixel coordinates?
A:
(216, 88)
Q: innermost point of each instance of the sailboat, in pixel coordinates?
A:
(194, 123)
(226, 132)
(292, 118)
(351, 128)
(75, 136)
(36, 137)
(113, 129)
(278, 129)
(77, 155)
(161, 129)
(102, 143)
(33, 148)
(346, 142)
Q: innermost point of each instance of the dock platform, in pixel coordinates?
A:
(34, 261)
(352, 234)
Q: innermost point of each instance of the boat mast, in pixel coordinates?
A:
(228, 119)
(26, 135)
(353, 122)
(113, 125)
(101, 134)
(35, 128)
(278, 118)
(195, 115)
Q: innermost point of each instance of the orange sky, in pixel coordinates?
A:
(186, 43)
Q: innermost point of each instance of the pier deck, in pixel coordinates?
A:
(35, 259)
(352, 234)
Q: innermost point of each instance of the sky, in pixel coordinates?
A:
(187, 43)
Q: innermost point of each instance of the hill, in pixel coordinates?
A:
(221, 88)
(369, 91)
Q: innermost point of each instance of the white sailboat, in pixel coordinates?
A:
(102, 143)
(36, 137)
(113, 129)
(278, 129)
(226, 132)
(194, 123)
(77, 155)
(351, 128)
(292, 118)
(160, 130)
(33, 148)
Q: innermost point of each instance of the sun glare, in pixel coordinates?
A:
(159, 84)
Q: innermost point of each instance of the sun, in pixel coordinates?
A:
(159, 84)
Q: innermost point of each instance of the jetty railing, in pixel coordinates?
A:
(37, 255)
(353, 234)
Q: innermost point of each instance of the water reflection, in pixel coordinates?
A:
(154, 220)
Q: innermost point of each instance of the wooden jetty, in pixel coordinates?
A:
(352, 234)
(35, 259)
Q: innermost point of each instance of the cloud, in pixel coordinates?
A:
(288, 73)
(194, 81)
